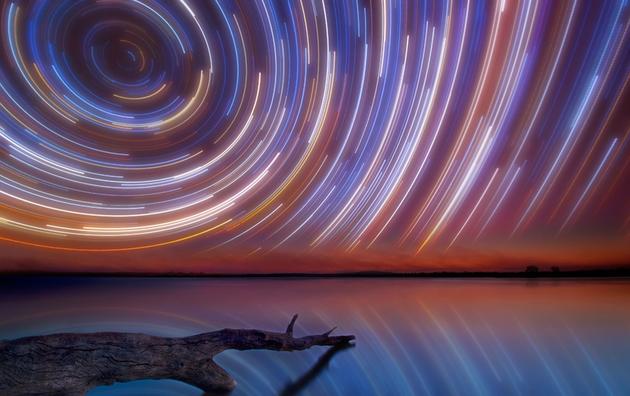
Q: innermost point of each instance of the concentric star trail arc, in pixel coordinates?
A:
(311, 125)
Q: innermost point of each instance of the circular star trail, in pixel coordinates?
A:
(310, 124)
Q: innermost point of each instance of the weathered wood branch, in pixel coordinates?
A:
(71, 364)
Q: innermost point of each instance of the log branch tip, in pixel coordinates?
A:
(326, 334)
(291, 324)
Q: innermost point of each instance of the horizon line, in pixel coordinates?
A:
(617, 272)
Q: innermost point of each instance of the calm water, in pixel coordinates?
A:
(433, 337)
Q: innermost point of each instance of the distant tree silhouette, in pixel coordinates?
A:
(531, 270)
(555, 269)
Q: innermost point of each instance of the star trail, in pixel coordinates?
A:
(311, 125)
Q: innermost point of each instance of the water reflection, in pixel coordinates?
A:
(431, 337)
(301, 383)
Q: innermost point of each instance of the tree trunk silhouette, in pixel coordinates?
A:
(71, 364)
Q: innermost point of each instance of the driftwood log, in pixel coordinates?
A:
(71, 364)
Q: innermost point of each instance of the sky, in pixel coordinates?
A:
(313, 135)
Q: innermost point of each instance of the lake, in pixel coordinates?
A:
(414, 336)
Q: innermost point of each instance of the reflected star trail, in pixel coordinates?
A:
(414, 337)
(311, 125)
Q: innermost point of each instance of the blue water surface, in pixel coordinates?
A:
(414, 337)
